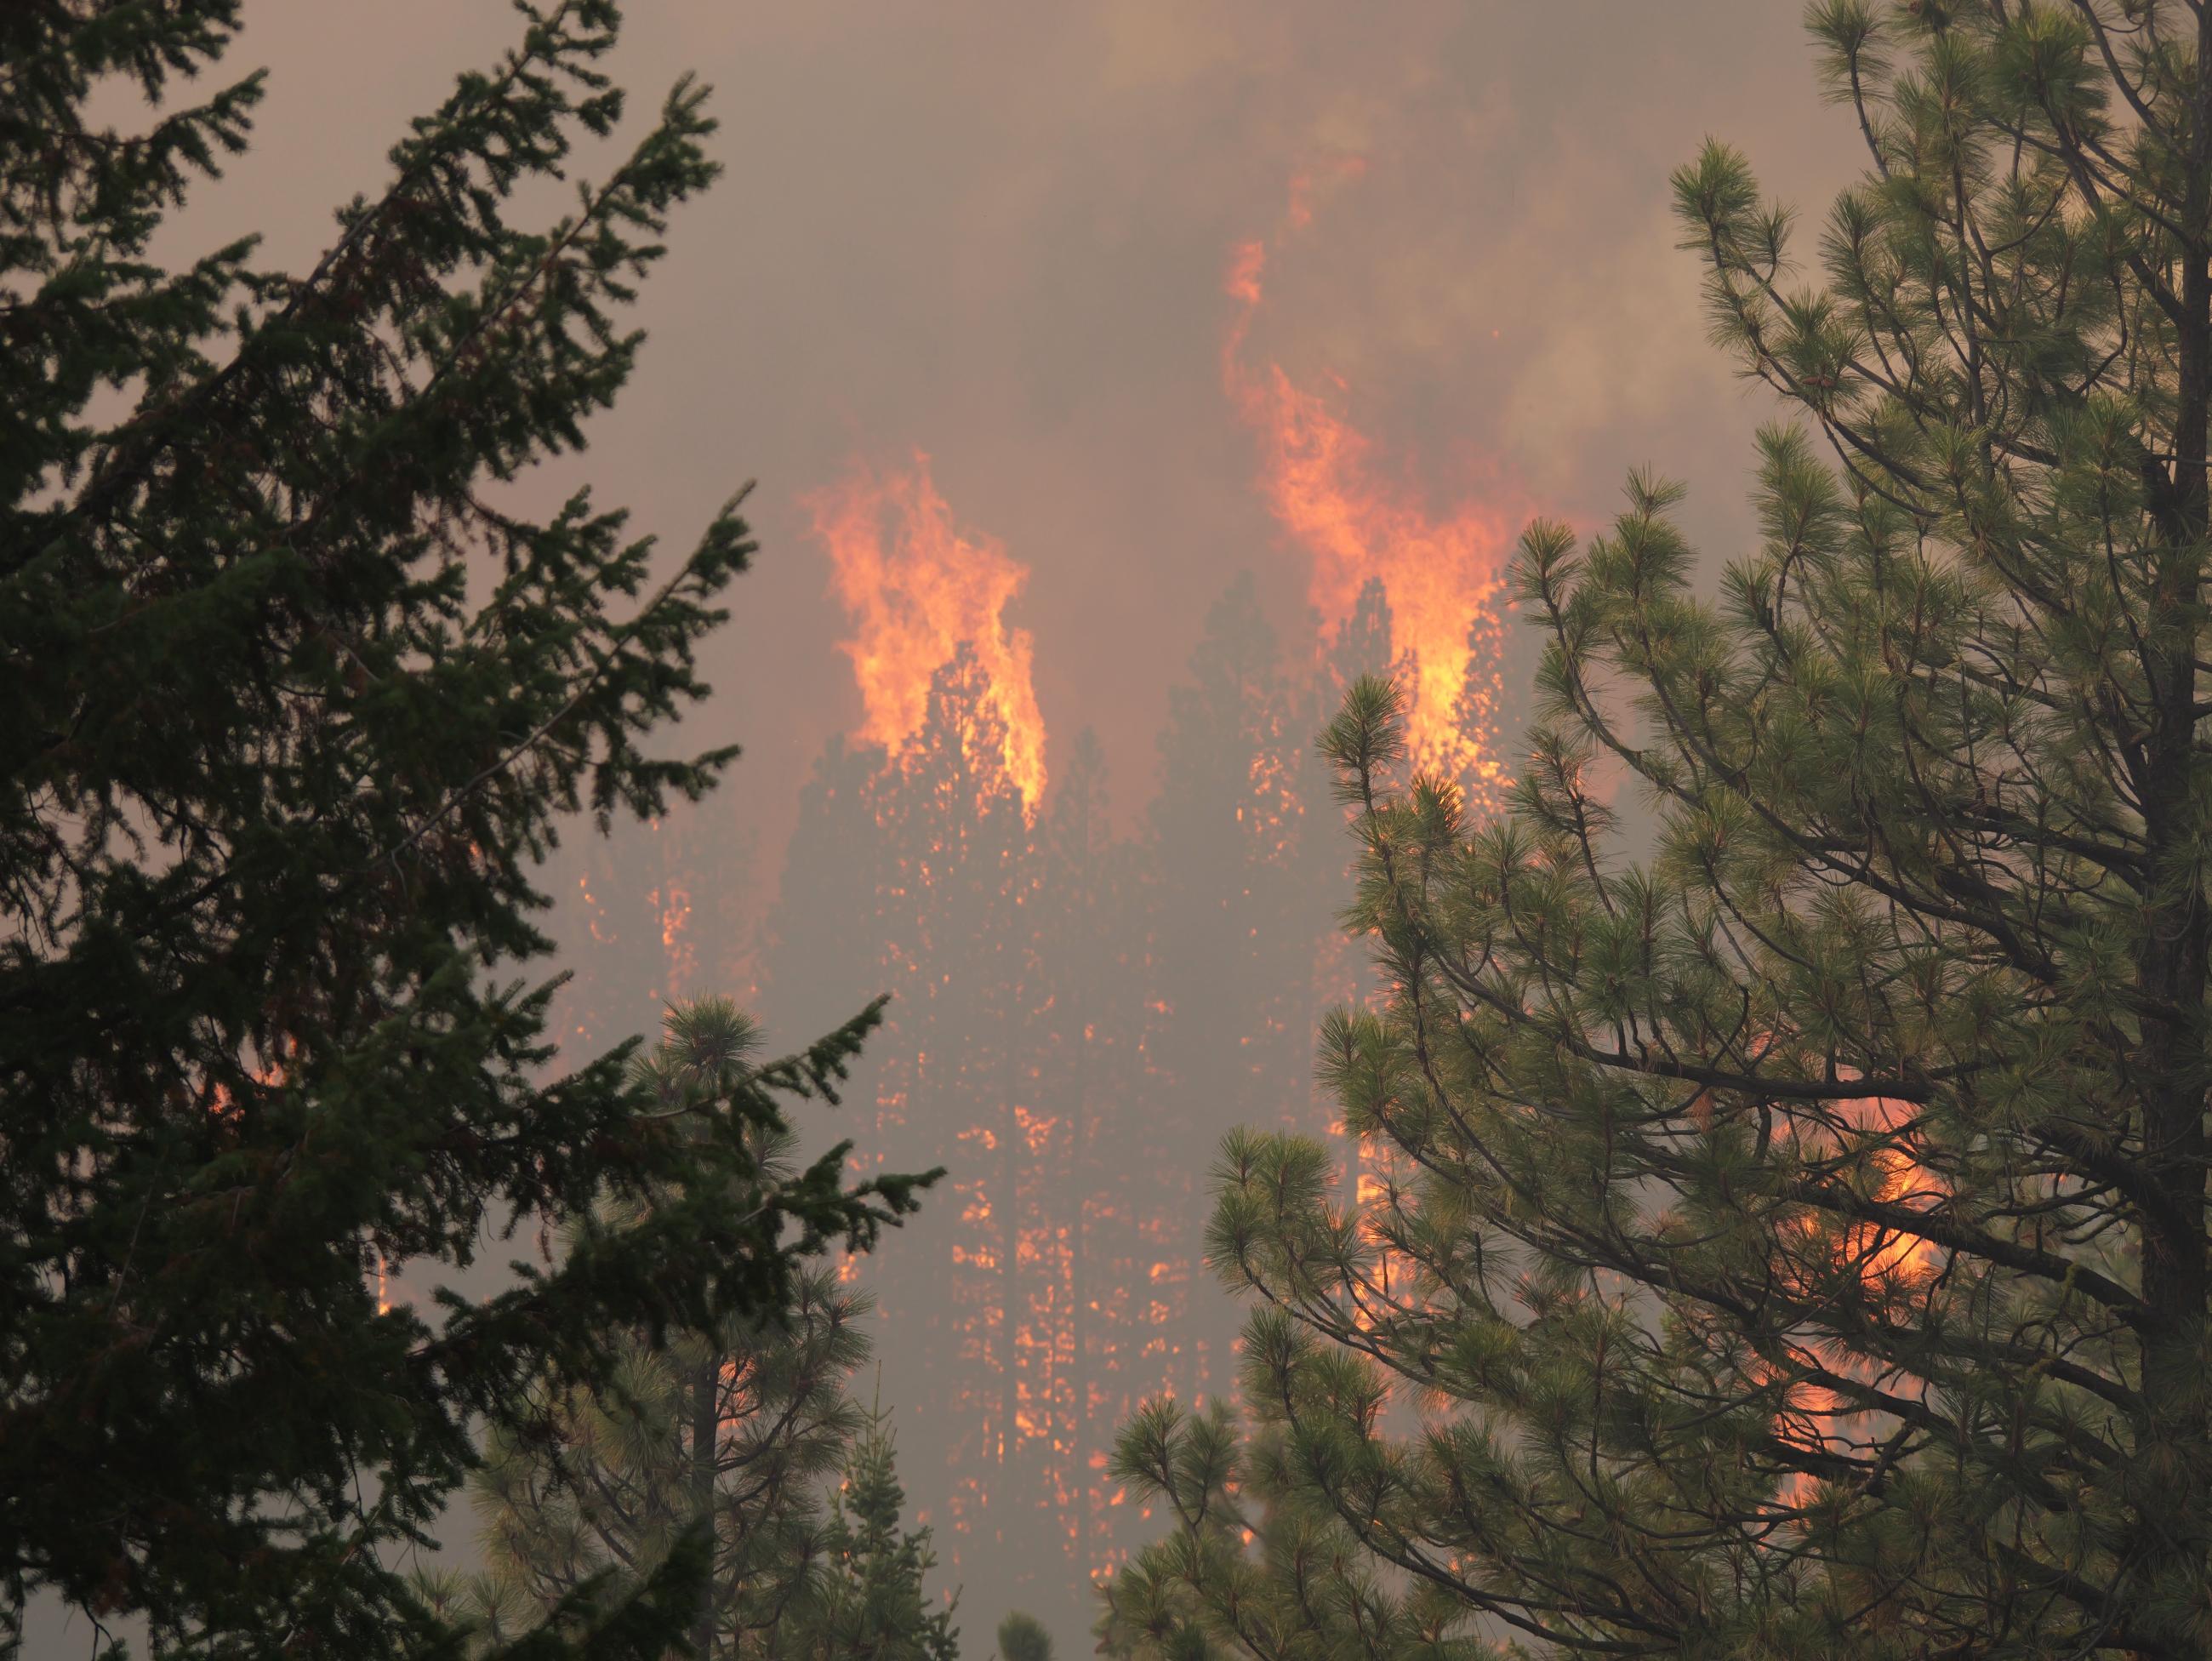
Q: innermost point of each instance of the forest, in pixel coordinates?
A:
(1618, 1096)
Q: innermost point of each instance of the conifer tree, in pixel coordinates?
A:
(872, 1601)
(654, 915)
(739, 1429)
(1230, 929)
(1250, 1568)
(825, 930)
(297, 695)
(1093, 974)
(1022, 1637)
(1798, 1246)
(1362, 646)
(957, 897)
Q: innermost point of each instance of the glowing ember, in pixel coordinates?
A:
(918, 589)
(1441, 577)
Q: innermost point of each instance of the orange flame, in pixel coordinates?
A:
(918, 589)
(1441, 577)
(1889, 1263)
(1884, 1134)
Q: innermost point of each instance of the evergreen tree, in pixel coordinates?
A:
(1362, 646)
(1022, 1637)
(651, 914)
(1807, 1226)
(1253, 1568)
(1094, 973)
(296, 698)
(1232, 924)
(955, 901)
(740, 1429)
(872, 1602)
(1232, 920)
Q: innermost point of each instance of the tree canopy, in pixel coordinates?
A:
(872, 1601)
(741, 1428)
(1022, 1637)
(261, 1026)
(1791, 1240)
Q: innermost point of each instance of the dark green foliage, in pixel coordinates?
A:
(607, 1479)
(872, 1601)
(296, 700)
(1795, 1244)
(1022, 1637)
(1252, 1566)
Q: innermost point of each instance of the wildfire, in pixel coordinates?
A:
(918, 588)
(1881, 1133)
(1441, 577)
(1888, 1263)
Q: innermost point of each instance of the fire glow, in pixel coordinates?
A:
(918, 588)
(1443, 576)
(1889, 1264)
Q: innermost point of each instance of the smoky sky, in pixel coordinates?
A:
(996, 234)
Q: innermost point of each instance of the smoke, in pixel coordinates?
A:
(997, 233)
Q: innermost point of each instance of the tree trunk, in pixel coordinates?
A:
(2171, 966)
(706, 1413)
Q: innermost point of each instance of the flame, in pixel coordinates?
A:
(1888, 1263)
(1883, 1134)
(1441, 577)
(677, 937)
(918, 589)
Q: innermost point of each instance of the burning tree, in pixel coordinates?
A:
(1797, 1239)
(1059, 1000)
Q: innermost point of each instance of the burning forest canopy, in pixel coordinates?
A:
(1125, 384)
(1108, 937)
(1081, 1010)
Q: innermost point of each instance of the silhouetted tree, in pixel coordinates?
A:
(872, 1601)
(652, 913)
(824, 933)
(296, 699)
(738, 1428)
(1087, 1032)
(1231, 927)
(955, 905)
(1362, 646)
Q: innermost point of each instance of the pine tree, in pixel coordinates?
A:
(1232, 920)
(1094, 970)
(1807, 1225)
(650, 915)
(297, 697)
(740, 1430)
(1022, 1637)
(872, 1601)
(1253, 1568)
(1362, 646)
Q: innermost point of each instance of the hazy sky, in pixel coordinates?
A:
(997, 233)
